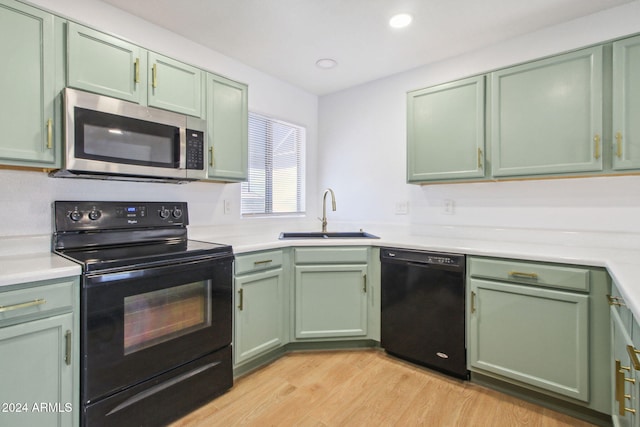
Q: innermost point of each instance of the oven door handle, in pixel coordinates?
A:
(162, 386)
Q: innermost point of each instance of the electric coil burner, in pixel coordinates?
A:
(155, 312)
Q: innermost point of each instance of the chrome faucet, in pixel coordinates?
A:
(324, 207)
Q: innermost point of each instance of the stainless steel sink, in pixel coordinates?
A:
(326, 235)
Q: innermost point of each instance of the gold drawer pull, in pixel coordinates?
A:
(520, 274)
(241, 298)
(473, 302)
(479, 158)
(617, 301)
(67, 342)
(136, 71)
(210, 156)
(633, 355)
(266, 261)
(619, 145)
(49, 134)
(596, 139)
(27, 304)
(154, 76)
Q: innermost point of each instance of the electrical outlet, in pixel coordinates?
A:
(227, 207)
(448, 207)
(402, 208)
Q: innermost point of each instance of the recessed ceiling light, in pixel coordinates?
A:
(400, 20)
(326, 63)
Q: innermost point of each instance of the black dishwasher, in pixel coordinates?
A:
(423, 309)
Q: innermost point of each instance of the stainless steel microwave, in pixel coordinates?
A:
(108, 138)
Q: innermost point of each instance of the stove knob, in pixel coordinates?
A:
(76, 215)
(177, 213)
(164, 213)
(94, 215)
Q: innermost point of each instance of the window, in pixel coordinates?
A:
(276, 168)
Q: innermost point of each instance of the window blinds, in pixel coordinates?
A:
(275, 185)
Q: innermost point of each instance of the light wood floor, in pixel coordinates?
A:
(363, 388)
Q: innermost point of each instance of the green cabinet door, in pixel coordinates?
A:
(37, 378)
(97, 62)
(259, 314)
(626, 104)
(625, 393)
(446, 131)
(536, 336)
(330, 301)
(175, 86)
(546, 116)
(26, 85)
(227, 129)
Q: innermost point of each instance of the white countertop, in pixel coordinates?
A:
(27, 259)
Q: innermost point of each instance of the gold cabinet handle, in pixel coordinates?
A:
(619, 145)
(617, 301)
(266, 261)
(67, 353)
(619, 388)
(479, 158)
(136, 71)
(154, 76)
(211, 156)
(520, 274)
(49, 134)
(241, 298)
(596, 140)
(633, 355)
(473, 302)
(364, 284)
(18, 306)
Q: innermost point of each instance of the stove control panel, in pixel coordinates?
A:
(81, 215)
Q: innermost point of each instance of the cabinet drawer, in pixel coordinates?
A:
(257, 261)
(334, 255)
(532, 273)
(36, 300)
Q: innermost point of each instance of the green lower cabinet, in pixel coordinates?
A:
(37, 379)
(39, 350)
(625, 378)
(330, 301)
(259, 314)
(541, 329)
(537, 336)
(546, 116)
(626, 104)
(27, 86)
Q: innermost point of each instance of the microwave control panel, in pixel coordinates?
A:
(195, 149)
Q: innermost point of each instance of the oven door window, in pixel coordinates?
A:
(159, 316)
(118, 139)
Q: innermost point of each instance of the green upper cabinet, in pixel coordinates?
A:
(175, 86)
(27, 85)
(626, 104)
(227, 129)
(446, 131)
(546, 116)
(107, 65)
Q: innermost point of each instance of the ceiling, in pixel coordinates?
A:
(285, 38)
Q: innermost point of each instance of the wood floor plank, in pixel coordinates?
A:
(364, 388)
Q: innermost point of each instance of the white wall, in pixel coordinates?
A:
(362, 148)
(28, 195)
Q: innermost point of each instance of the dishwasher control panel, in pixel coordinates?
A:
(422, 257)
